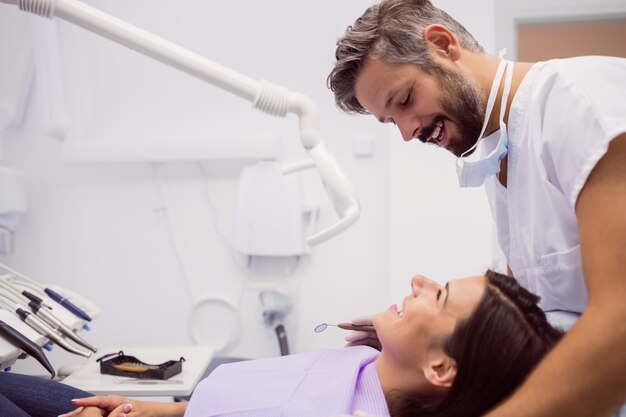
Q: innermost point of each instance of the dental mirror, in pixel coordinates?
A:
(346, 326)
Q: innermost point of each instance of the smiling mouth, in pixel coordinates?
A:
(434, 133)
(400, 309)
(437, 134)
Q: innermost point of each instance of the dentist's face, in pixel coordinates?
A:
(443, 107)
(411, 329)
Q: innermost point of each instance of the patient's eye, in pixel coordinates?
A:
(438, 294)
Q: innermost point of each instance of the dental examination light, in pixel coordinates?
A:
(265, 96)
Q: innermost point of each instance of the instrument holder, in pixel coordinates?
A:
(120, 364)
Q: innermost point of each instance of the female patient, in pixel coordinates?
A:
(454, 350)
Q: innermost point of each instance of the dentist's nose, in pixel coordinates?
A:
(407, 129)
(406, 133)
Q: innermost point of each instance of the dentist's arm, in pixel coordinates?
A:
(585, 374)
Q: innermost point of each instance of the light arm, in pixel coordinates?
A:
(265, 96)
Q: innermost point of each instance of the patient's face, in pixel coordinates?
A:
(418, 326)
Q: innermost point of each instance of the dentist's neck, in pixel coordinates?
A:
(486, 78)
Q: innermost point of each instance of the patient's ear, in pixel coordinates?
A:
(441, 372)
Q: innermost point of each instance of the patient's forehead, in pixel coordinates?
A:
(464, 294)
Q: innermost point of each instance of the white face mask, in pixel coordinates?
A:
(473, 173)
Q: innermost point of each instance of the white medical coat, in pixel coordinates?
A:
(562, 118)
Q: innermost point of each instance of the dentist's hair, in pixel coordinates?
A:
(393, 30)
(494, 349)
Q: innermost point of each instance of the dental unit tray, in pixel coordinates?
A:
(130, 366)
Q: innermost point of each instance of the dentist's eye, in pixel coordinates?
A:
(406, 100)
(438, 294)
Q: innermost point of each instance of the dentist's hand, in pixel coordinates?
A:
(361, 337)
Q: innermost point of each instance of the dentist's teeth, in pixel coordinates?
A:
(436, 132)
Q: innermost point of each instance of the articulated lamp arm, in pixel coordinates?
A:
(265, 96)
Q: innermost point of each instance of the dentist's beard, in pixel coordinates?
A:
(463, 105)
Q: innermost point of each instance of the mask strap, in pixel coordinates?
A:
(508, 80)
(491, 101)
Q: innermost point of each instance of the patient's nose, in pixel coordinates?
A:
(420, 283)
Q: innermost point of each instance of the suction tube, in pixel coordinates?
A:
(282, 340)
(20, 341)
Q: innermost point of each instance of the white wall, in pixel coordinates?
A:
(436, 228)
(140, 239)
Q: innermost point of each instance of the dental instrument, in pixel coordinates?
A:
(32, 284)
(9, 302)
(47, 324)
(265, 96)
(58, 325)
(44, 329)
(33, 297)
(345, 326)
(28, 346)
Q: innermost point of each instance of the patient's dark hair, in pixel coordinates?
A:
(495, 349)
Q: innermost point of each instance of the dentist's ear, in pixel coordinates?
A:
(441, 372)
(443, 41)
